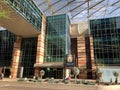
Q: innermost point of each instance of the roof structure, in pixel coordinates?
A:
(80, 10)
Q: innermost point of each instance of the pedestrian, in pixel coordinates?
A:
(69, 78)
(2, 76)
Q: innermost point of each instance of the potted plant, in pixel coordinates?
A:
(99, 76)
(76, 72)
(116, 74)
(42, 73)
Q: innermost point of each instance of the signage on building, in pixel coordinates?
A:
(70, 60)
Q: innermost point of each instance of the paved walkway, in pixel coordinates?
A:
(111, 87)
(8, 79)
(71, 86)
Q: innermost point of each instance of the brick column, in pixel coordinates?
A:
(81, 56)
(81, 52)
(40, 45)
(41, 41)
(92, 58)
(15, 57)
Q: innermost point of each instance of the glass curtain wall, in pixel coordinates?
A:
(106, 37)
(7, 40)
(28, 56)
(28, 10)
(57, 43)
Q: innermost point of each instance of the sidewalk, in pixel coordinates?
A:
(111, 87)
(8, 79)
(98, 87)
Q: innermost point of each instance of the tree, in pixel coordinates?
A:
(99, 76)
(4, 13)
(76, 72)
(42, 73)
(116, 74)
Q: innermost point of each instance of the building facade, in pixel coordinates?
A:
(46, 51)
(82, 48)
(42, 43)
(86, 57)
(57, 46)
(7, 40)
(106, 40)
(28, 56)
(28, 48)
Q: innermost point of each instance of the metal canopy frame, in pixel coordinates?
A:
(76, 8)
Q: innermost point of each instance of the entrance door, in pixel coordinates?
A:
(56, 73)
(7, 72)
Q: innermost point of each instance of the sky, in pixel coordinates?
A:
(76, 15)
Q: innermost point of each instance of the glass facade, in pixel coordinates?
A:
(57, 73)
(28, 10)
(7, 40)
(57, 42)
(108, 74)
(106, 38)
(74, 49)
(28, 56)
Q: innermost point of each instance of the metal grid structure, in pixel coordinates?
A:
(57, 43)
(7, 40)
(79, 10)
(106, 38)
(28, 55)
(28, 10)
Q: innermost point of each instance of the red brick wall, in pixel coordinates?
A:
(85, 56)
(40, 44)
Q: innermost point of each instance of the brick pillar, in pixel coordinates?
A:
(92, 58)
(81, 56)
(40, 44)
(15, 57)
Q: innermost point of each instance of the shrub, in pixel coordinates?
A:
(21, 79)
(66, 81)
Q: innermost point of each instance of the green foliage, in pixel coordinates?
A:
(21, 79)
(47, 79)
(51, 80)
(57, 81)
(78, 81)
(39, 80)
(76, 71)
(4, 13)
(66, 81)
(99, 75)
(42, 73)
(116, 74)
(48, 69)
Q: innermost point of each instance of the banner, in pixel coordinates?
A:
(70, 60)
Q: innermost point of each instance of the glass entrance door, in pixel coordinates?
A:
(56, 73)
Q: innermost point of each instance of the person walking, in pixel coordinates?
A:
(2, 76)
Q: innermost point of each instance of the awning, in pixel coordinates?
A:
(49, 65)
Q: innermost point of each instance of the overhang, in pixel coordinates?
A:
(49, 65)
(17, 24)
